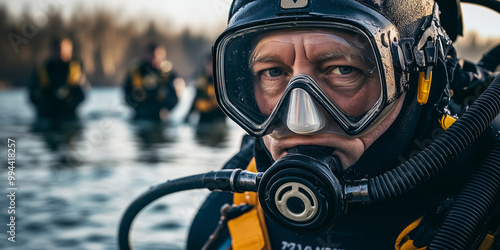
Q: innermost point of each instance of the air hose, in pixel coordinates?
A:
(224, 180)
(470, 210)
(435, 157)
(389, 185)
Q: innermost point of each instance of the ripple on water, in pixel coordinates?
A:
(56, 202)
(75, 183)
(99, 198)
(69, 221)
(68, 243)
(168, 225)
(164, 246)
(97, 238)
(159, 208)
(35, 226)
(28, 194)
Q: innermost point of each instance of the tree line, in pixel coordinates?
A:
(107, 48)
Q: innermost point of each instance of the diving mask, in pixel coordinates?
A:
(344, 88)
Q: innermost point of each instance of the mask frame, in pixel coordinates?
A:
(383, 40)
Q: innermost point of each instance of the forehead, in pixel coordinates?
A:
(317, 44)
(311, 37)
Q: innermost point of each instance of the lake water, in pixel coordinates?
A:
(74, 182)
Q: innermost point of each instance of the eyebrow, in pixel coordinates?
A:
(350, 55)
(332, 55)
(260, 59)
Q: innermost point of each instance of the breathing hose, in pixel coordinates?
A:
(434, 158)
(224, 180)
(470, 210)
(389, 185)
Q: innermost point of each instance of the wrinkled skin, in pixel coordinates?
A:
(279, 57)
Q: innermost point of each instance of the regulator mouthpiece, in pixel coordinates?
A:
(301, 192)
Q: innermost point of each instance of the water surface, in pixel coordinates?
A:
(75, 180)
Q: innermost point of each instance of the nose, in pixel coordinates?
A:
(301, 62)
(304, 114)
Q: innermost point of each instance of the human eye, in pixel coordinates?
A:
(270, 81)
(343, 76)
(342, 70)
(272, 72)
(271, 75)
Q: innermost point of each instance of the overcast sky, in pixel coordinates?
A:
(201, 15)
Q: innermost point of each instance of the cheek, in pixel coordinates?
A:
(265, 104)
(273, 146)
(357, 102)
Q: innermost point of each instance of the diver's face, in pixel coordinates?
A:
(281, 56)
(66, 50)
(159, 55)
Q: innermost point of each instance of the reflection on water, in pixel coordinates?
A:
(212, 134)
(59, 137)
(151, 137)
(75, 179)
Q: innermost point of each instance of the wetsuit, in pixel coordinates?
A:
(363, 227)
(57, 89)
(408, 221)
(205, 102)
(149, 90)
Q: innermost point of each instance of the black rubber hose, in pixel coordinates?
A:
(491, 60)
(186, 183)
(434, 158)
(467, 216)
(235, 180)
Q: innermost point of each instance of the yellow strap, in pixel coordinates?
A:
(446, 121)
(203, 105)
(43, 77)
(73, 78)
(487, 242)
(424, 87)
(209, 103)
(75, 73)
(403, 242)
(249, 231)
(136, 78)
(211, 91)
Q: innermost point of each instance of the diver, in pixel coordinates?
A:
(361, 131)
(364, 84)
(205, 103)
(59, 84)
(149, 86)
(211, 126)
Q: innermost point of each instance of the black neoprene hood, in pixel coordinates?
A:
(407, 15)
(264, 15)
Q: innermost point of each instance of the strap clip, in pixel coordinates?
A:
(424, 85)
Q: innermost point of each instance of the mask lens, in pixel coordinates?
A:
(342, 78)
